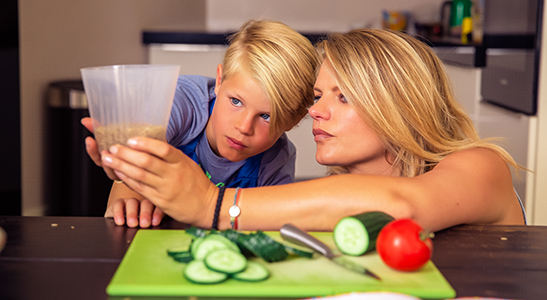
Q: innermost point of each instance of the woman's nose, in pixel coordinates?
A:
(318, 111)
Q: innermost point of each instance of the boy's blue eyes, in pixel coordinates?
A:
(266, 117)
(237, 102)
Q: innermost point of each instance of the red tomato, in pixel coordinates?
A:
(403, 245)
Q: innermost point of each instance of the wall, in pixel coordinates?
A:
(315, 15)
(540, 208)
(58, 37)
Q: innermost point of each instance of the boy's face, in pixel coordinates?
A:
(239, 125)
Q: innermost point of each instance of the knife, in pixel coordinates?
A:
(295, 235)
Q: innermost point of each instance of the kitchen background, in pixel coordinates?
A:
(58, 37)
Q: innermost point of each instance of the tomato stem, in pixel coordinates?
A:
(425, 234)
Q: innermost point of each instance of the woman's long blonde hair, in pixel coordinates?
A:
(400, 88)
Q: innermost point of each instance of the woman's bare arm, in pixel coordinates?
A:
(472, 186)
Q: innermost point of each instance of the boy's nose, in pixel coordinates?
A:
(245, 124)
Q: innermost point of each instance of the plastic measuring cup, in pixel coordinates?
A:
(129, 100)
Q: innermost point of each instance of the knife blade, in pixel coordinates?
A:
(295, 235)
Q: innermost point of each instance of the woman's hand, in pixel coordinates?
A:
(136, 213)
(93, 150)
(166, 177)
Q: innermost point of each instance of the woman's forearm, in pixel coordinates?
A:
(312, 205)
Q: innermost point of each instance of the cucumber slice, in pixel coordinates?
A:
(264, 246)
(233, 236)
(182, 257)
(177, 250)
(356, 235)
(253, 273)
(224, 240)
(196, 232)
(196, 271)
(209, 244)
(195, 245)
(226, 261)
(299, 251)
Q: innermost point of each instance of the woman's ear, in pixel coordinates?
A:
(219, 78)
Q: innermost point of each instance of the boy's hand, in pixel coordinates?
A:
(137, 213)
(93, 150)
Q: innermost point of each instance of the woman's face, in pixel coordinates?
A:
(343, 138)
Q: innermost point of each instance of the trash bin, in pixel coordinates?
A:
(75, 186)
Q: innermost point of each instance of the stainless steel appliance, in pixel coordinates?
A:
(512, 37)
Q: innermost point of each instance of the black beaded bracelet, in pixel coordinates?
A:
(217, 208)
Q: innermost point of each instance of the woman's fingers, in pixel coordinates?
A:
(88, 123)
(92, 150)
(132, 166)
(155, 147)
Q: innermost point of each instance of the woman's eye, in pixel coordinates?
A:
(316, 98)
(266, 117)
(235, 101)
(342, 98)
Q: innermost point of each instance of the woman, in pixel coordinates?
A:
(387, 123)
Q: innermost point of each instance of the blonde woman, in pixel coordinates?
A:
(387, 123)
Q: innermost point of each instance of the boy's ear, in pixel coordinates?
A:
(219, 78)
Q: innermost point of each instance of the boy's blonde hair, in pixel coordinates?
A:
(282, 62)
(400, 88)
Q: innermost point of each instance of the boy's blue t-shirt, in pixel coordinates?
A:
(189, 116)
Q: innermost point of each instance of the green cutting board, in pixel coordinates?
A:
(147, 270)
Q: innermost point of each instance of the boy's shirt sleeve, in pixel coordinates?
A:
(190, 110)
(278, 163)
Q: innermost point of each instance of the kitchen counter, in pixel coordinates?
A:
(76, 257)
(452, 50)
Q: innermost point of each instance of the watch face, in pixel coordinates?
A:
(234, 211)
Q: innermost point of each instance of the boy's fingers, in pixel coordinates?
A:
(147, 208)
(157, 216)
(132, 212)
(118, 212)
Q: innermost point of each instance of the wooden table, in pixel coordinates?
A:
(75, 258)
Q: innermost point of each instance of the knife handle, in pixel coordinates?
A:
(295, 235)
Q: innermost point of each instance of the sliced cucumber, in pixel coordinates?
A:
(196, 232)
(264, 246)
(196, 271)
(182, 257)
(253, 273)
(299, 251)
(356, 235)
(226, 261)
(233, 236)
(211, 243)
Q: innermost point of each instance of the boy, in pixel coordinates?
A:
(233, 126)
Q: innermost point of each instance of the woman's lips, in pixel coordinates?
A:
(320, 134)
(237, 145)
